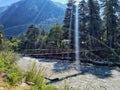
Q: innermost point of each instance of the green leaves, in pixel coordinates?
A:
(36, 75)
(30, 38)
(55, 35)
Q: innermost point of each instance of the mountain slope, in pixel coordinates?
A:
(2, 10)
(61, 5)
(25, 12)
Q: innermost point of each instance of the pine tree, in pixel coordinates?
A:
(118, 33)
(83, 20)
(111, 21)
(118, 28)
(55, 36)
(29, 40)
(94, 26)
(69, 23)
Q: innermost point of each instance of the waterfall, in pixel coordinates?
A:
(77, 42)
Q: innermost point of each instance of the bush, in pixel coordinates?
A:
(7, 60)
(36, 75)
(7, 66)
(9, 56)
(14, 75)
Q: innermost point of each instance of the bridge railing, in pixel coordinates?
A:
(57, 51)
(47, 51)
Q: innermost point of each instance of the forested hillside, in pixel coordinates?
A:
(20, 15)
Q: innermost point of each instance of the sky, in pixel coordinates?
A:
(8, 2)
(61, 1)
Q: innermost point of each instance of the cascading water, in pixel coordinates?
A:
(77, 42)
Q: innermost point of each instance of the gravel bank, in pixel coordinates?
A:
(88, 77)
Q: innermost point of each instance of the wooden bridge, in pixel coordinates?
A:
(55, 53)
(69, 54)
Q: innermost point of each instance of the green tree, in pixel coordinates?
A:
(110, 20)
(118, 34)
(69, 23)
(83, 16)
(42, 43)
(14, 43)
(43, 32)
(94, 22)
(42, 40)
(32, 33)
(55, 35)
(30, 39)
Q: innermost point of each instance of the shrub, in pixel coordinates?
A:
(14, 75)
(9, 56)
(7, 60)
(36, 75)
(7, 66)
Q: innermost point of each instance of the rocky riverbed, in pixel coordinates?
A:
(88, 77)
